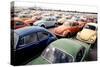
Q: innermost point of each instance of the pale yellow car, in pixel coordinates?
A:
(88, 34)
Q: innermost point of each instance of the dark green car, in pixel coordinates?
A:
(63, 51)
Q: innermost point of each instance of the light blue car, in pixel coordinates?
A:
(47, 22)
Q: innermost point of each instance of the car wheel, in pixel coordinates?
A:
(68, 35)
(43, 26)
(56, 25)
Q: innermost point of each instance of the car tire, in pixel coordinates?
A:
(56, 25)
(68, 35)
(43, 26)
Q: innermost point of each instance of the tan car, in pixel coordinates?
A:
(88, 34)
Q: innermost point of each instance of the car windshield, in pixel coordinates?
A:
(16, 37)
(54, 55)
(90, 27)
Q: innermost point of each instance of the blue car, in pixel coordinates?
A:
(29, 42)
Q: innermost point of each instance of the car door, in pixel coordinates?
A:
(43, 39)
(53, 21)
(48, 22)
(28, 45)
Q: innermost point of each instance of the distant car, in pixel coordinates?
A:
(63, 51)
(67, 29)
(17, 23)
(30, 21)
(75, 18)
(62, 20)
(29, 42)
(88, 34)
(46, 22)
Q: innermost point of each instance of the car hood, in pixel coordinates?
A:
(86, 34)
(60, 29)
(38, 60)
(38, 22)
(30, 21)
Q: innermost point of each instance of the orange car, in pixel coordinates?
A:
(17, 23)
(68, 29)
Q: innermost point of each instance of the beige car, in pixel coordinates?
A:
(88, 34)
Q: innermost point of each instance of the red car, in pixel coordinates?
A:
(68, 29)
(18, 23)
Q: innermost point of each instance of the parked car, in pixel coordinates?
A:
(46, 22)
(68, 29)
(29, 42)
(88, 34)
(63, 51)
(30, 21)
(62, 20)
(17, 23)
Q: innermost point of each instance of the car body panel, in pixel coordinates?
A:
(38, 60)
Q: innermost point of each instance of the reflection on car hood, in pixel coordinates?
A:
(60, 29)
(86, 34)
(37, 22)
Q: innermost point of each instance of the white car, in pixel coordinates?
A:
(47, 22)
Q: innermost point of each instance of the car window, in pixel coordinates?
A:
(80, 54)
(74, 24)
(42, 35)
(32, 38)
(48, 19)
(90, 27)
(53, 19)
(19, 23)
(55, 55)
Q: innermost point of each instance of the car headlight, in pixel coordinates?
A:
(92, 38)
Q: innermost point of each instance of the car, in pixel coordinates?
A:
(88, 33)
(63, 51)
(30, 21)
(46, 22)
(67, 29)
(17, 23)
(62, 20)
(28, 42)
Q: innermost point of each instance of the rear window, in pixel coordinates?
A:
(90, 27)
(54, 55)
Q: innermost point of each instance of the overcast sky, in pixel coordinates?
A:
(58, 5)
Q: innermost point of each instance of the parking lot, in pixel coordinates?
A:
(36, 30)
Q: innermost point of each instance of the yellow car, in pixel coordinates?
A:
(88, 34)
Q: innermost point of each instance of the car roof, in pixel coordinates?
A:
(29, 29)
(67, 45)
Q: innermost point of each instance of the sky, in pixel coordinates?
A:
(56, 5)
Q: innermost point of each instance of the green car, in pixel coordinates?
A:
(63, 51)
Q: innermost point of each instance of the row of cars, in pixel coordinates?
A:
(36, 42)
